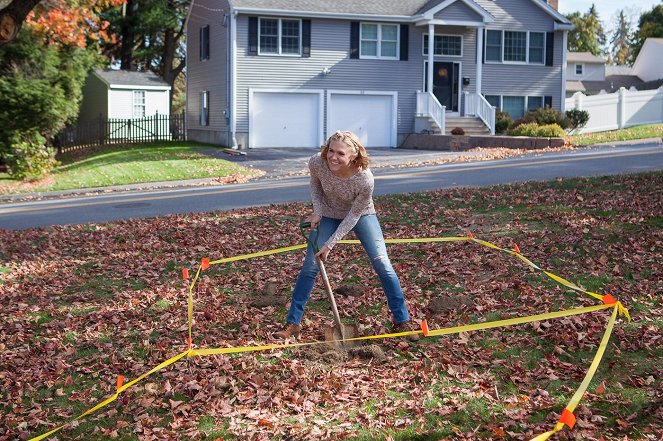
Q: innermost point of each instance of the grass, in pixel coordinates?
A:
(637, 132)
(155, 162)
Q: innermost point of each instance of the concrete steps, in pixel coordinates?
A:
(472, 126)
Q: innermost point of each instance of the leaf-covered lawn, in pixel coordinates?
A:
(83, 304)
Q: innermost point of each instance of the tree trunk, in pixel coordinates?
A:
(12, 17)
(128, 36)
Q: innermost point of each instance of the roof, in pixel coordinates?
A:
(583, 57)
(401, 8)
(613, 69)
(612, 83)
(131, 78)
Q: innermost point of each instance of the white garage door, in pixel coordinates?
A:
(371, 117)
(285, 119)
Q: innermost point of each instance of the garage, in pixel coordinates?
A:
(371, 115)
(285, 118)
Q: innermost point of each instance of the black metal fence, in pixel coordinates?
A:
(88, 134)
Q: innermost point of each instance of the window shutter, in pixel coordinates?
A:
(306, 38)
(547, 101)
(253, 35)
(550, 48)
(200, 42)
(354, 39)
(405, 38)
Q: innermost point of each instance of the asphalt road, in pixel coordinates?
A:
(142, 204)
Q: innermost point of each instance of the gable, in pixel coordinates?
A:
(458, 11)
(519, 15)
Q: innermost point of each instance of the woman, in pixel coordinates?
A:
(342, 193)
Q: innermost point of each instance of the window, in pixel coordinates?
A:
(204, 43)
(204, 108)
(514, 105)
(378, 41)
(139, 103)
(578, 69)
(534, 102)
(494, 100)
(515, 46)
(279, 36)
(494, 46)
(537, 47)
(447, 45)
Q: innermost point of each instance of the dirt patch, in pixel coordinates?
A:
(268, 296)
(444, 304)
(349, 290)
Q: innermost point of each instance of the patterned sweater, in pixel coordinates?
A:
(340, 198)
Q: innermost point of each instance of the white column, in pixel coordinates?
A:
(480, 32)
(562, 105)
(431, 35)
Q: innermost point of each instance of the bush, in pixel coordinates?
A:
(551, 131)
(30, 159)
(518, 122)
(547, 115)
(458, 131)
(578, 118)
(502, 121)
(524, 129)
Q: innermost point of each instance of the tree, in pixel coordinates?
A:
(588, 35)
(12, 16)
(650, 25)
(622, 41)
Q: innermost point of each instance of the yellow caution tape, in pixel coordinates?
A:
(618, 307)
(577, 396)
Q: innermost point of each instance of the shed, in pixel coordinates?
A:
(109, 94)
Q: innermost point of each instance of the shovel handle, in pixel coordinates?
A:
(330, 295)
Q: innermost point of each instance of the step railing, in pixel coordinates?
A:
(429, 106)
(476, 105)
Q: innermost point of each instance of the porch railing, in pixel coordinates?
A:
(428, 105)
(476, 105)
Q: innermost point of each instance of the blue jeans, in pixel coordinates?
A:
(369, 233)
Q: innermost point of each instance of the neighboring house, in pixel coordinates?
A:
(109, 94)
(648, 65)
(276, 73)
(591, 75)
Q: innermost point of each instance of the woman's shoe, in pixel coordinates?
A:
(406, 327)
(290, 331)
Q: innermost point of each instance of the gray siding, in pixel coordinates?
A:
(95, 99)
(330, 48)
(523, 79)
(458, 11)
(208, 75)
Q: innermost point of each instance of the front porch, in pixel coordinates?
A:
(477, 118)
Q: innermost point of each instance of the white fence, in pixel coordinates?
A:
(624, 108)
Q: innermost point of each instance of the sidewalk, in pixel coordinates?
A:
(275, 163)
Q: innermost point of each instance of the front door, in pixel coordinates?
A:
(445, 83)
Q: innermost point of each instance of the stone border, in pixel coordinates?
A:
(462, 143)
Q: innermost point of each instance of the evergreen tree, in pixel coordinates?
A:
(622, 41)
(588, 35)
(650, 25)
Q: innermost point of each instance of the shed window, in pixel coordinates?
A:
(204, 108)
(139, 103)
(578, 69)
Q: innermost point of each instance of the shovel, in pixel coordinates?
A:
(339, 332)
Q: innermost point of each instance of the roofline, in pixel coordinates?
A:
(343, 15)
(440, 22)
(564, 26)
(138, 86)
(487, 16)
(552, 11)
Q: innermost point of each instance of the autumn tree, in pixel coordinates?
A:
(622, 41)
(650, 25)
(588, 35)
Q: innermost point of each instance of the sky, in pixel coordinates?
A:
(608, 9)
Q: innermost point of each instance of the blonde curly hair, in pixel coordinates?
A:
(352, 141)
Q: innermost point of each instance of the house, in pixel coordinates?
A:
(109, 94)
(648, 66)
(589, 74)
(276, 73)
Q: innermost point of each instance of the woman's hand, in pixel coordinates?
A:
(315, 220)
(323, 253)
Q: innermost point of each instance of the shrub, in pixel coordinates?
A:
(548, 115)
(518, 122)
(502, 121)
(578, 118)
(30, 159)
(551, 131)
(525, 129)
(458, 131)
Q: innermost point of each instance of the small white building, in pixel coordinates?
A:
(648, 65)
(110, 94)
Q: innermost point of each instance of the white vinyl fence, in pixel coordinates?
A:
(624, 108)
